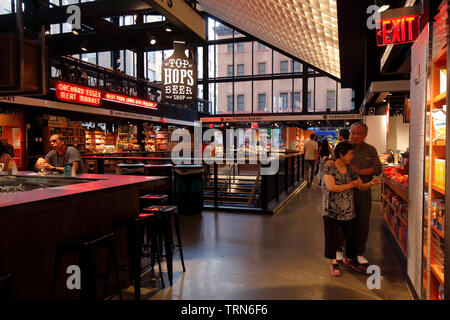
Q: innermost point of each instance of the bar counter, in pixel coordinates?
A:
(33, 222)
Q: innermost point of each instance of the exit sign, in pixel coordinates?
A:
(398, 30)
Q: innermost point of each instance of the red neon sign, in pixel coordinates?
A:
(73, 93)
(130, 100)
(398, 30)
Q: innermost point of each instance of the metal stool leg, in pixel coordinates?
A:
(179, 245)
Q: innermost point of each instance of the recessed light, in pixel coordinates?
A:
(75, 32)
(153, 40)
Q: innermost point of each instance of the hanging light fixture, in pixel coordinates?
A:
(83, 46)
(153, 40)
(168, 27)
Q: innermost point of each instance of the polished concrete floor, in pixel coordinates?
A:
(247, 256)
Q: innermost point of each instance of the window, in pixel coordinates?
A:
(240, 47)
(240, 69)
(331, 99)
(151, 57)
(229, 47)
(261, 46)
(230, 103)
(283, 101)
(262, 68)
(240, 102)
(284, 66)
(296, 66)
(296, 102)
(262, 102)
(309, 100)
(151, 75)
(230, 70)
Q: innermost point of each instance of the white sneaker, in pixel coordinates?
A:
(339, 256)
(362, 260)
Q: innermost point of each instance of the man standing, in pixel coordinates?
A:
(311, 151)
(366, 164)
(344, 134)
(59, 156)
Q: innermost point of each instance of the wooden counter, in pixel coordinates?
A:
(32, 222)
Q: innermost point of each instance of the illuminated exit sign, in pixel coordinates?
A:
(398, 30)
(73, 93)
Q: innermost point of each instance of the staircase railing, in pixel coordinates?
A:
(254, 188)
(227, 184)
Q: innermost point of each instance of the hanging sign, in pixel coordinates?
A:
(179, 75)
(398, 30)
(73, 93)
(130, 100)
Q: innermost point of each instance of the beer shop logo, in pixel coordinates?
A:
(179, 77)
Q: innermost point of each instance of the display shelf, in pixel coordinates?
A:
(436, 271)
(438, 232)
(395, 237)
(399, 216)
(402, 192)
(439, 100)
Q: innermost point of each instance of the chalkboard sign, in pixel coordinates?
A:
(179, 77)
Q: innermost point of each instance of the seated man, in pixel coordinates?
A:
(60, 155)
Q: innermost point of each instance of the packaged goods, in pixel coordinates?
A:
(439, 172)
(439, 123)
(442, 79)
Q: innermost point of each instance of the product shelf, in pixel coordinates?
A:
(437, 272)
(438, 232)
(440, 100)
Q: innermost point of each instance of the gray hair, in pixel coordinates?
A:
(360, 124)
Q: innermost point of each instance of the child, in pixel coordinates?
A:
(339, 208)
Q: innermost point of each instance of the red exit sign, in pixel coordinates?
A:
(398, 30)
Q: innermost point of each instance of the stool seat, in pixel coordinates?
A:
(159, 197)
(161, 209)
(164, 165)
(146, 215)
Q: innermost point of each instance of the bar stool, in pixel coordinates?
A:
(135, 235)
(153, 199)
(165, 169)
(169, 216)
(6, 293)
(85, 247)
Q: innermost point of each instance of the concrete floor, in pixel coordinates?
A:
(246, 256)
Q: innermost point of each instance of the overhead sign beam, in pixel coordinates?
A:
(181, 15)
(290, 118)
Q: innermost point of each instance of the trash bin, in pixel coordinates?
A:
(136, 169)
(189, 188)
(166, 170)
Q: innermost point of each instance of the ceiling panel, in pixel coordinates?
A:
(306, 29)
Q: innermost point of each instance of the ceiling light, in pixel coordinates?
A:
(83, 46)
(75, 32)
(383, 8)
(47, 32)
(384, 100)
(168, 27)
(153, 40)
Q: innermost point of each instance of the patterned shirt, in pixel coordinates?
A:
(339, 205)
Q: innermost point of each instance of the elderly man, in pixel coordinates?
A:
(366, 164)
(59, 156)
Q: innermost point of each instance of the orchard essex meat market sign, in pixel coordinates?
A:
(179, 77)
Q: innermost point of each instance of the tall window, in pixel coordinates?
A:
(296, 66)
(230, 103)
(240, 102)
(152, 57)
(240, 70)
(262, 102)
(296, 102)
(309, 100)
(261, 46)
(284, 66)
(284, 101)
(229, 47)
(262, 68)
(240, 47)
(331, 99)
(230, 70)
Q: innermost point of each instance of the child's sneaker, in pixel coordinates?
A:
(335, 270)
(354, 264)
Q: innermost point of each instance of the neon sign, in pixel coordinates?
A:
(398, 30)
(130, 100)
(73, 93)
